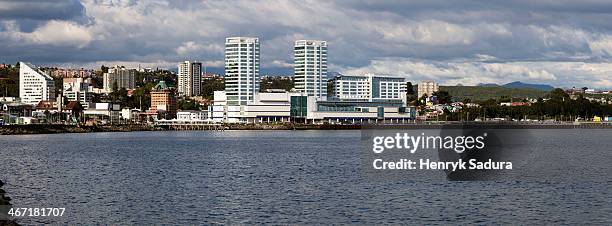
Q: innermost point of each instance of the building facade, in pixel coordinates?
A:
(310, 67)
(368, 87)
(427, 88)
(79, 90)
(123, 77)
(298, 107)
(34, 85)
(241, 70)
(163, 98)
(189, 78)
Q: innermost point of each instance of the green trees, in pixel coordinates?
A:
(482, 93)
(443, 97)
(210, 86)
(410, 94)
(188, 105)
(559, 106)
(285, 83)
(9, 81)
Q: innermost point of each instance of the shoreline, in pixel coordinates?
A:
(56, 129)
(5, 205)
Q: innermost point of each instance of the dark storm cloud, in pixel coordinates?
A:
(41, 9)
(31, 14)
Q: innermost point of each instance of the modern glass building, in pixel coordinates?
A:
(310, 67)
(368, 87)
(241, 70)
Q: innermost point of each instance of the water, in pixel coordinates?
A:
(280, 177)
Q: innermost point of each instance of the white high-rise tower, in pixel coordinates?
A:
(241, 69)
(189, 78)
(34, 84)
(310, 67)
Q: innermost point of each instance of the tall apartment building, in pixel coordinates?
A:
(189, 78)
(122, 76)
(368, 87)
(310, 67)
(241, 69)
(162, 98)
(427, 88)
(35, 85)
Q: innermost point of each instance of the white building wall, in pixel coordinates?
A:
(34, 85)
(310, 67)
(241, 69)
(362, 87)
(189, 78)
(277, 107)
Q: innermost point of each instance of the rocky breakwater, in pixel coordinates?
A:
(50, 128)
(5, 206)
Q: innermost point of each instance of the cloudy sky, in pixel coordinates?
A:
(559, 42)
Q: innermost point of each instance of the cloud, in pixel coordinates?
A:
(451, 42)
(41, 9)
(560, 74)
(54, 33)
(190, 48)
(283, 64)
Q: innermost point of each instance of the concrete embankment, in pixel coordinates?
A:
(5, 205)
(48, 129)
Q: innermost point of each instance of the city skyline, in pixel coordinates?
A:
(564, 44)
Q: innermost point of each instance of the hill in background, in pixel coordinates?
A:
(519, 85)
(481, 93)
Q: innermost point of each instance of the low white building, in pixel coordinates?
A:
(265, 107)
(191, 115)
(368, 87)
(130, 114)
(297, 107)
(107, 112)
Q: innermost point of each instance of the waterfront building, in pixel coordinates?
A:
(104, 113)
(10, 111)
(310, 67)
(131, 115)
(34, 85)
(191, 115)
(368, 87)
(293, 106)
(123, 77)
(427, 88)
(163, 99)
(189, 78)
(241, 70)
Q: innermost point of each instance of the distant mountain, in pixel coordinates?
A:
(487, 85)
(520, 85)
